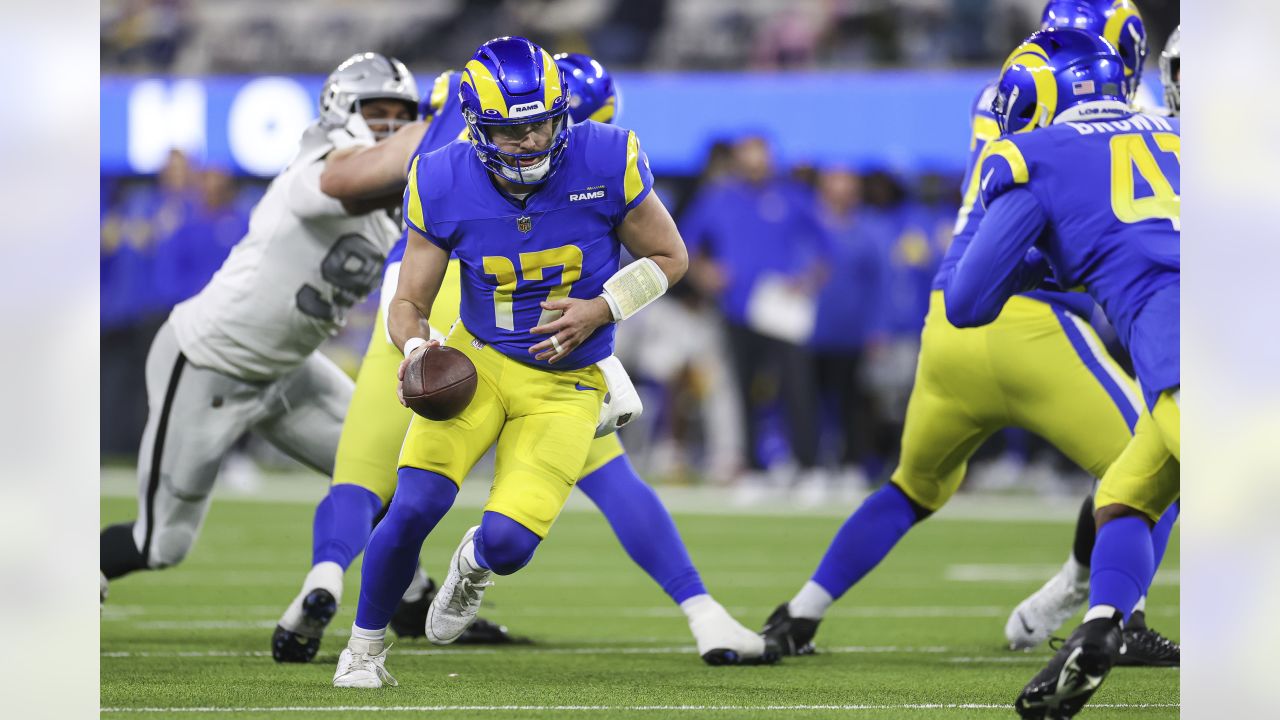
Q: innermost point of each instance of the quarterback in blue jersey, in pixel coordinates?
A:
(1085, 192)
(365, 470)
(1038, 366)
(535, 211)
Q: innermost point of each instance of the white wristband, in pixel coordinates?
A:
(412, 344)
(633, 287)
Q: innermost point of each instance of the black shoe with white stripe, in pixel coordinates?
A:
(301, 644)
(1074, 674)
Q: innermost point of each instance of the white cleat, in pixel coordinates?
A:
(722, 640)
(359, 669)
(1037, 617)
(455, 605)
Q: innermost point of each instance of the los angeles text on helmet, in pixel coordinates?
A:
(1136, 122)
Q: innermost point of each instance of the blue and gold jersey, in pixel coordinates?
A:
(560, 241)
(442, 112)
(984, 130)
(1111, 193)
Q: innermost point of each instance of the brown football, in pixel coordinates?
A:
(439, 383)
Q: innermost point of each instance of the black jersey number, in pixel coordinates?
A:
(352, 267)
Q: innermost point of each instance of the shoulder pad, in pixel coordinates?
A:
(1003, 167)
(604, 147)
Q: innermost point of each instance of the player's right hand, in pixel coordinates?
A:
(355, 133)
(405, 363)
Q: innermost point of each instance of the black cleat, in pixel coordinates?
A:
(791, 635)
(1144, 647)
(318, 608)
(485, 632)
(1074, 674)
(721, 656)
(410, 621)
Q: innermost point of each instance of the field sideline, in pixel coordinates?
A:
(920, 638)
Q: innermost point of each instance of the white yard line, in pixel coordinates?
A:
(603, 708)
(525, 650)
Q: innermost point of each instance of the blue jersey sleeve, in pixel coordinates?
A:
(637, 179)
(414, 213)
(1003, 169)
(1000, 261)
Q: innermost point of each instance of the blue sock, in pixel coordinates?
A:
(1122, 564)
(644, 527)
(504, 545)
(344, 519)
(1160, 533)
(421, 499)
(865, 538)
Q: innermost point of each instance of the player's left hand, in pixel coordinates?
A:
(580, 318)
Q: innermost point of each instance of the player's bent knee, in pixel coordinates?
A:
(504, 545)
(1115, 511)
(926, 495)
(421, 499)
(170, 547)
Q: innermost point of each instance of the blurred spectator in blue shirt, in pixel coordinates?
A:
(850, 315)
(756, 244)
(213, 224)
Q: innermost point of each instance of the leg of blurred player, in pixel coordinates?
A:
(649, 535)
(1138, 489)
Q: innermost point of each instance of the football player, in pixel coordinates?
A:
(1085, 192)
(1171, 72)
(365, 475)
(241, 354)
(1039, 366)
(536, 211)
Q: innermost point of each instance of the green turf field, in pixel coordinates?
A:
(920, 638)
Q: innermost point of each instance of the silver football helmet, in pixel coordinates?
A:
(363, 77)
(1171, 72)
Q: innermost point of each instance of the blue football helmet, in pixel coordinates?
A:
(511, 81)
(1116, 20)
(1060, 73)
(592, 92)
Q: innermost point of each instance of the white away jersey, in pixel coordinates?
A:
(289, 283)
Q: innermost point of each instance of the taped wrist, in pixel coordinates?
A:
(633, 287)
(412, 344)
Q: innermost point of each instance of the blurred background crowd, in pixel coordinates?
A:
(785, 358)
(245, 36)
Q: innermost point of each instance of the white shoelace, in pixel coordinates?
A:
(466, 595)
(365, 661)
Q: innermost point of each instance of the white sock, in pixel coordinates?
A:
(1077, 573)
(811, 602)
(370, 642)
(417, 586)
(1142, 605)
(1099, 611)
(699, 605)
(327, 575)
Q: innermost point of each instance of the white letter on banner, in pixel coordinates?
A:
(266, 122)
(162, 116)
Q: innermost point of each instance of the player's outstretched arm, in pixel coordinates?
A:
(1000, 261)
(421, 273)
(374, 171)
(649, 234)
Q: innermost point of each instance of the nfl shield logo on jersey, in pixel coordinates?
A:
(524, 223)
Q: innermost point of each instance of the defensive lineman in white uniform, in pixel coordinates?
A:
(241, 355)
